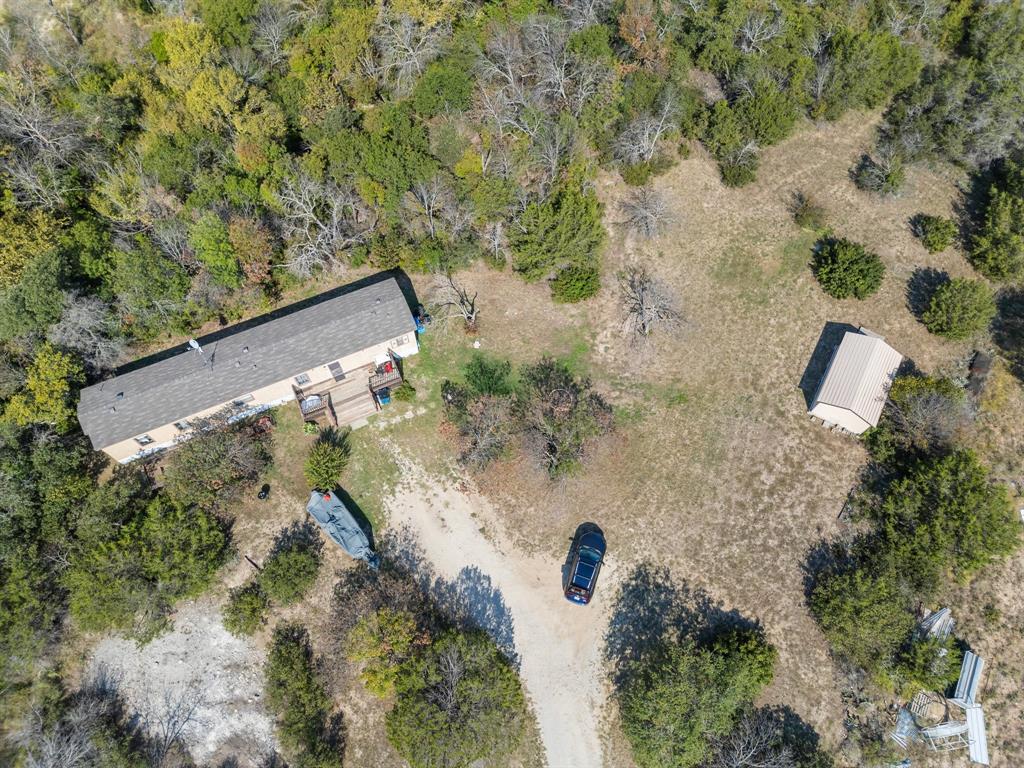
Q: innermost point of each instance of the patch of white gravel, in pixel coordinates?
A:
(197, 667)
(558, 644)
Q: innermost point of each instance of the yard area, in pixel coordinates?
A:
(715, 480)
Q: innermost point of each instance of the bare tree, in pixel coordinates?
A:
(404, 49)
(493, 240)
(639, 141)
(583, 13)
(90, 327)
(167, 725)
(932, 420)
(486, 430)
(754, 742)
(759, 29)
(646, 211)
(319, 221)
(647, 304)
(452, 300)
(451, 667)
(271, 28)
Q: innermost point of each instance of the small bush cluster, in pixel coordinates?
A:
(806, 211)
(998, 247)
(960, 308)
(296, 694)
(246, 610)
(555, 413)
(293, 564)
(935, 232)
(846, 269)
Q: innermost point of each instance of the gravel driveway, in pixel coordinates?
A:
(518, 600)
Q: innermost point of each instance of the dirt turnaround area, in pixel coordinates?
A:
(517, 599)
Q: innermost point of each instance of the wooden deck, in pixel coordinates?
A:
(337, 403)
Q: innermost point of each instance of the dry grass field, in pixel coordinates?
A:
(716, 481)
(717, 473)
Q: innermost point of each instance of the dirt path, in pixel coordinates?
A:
(518, 600)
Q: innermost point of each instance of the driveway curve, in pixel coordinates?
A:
(518, 600)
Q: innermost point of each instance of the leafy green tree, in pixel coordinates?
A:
(381, 642)
(936, 232)
(51, 383)
(457, 702)
(293, 565)
(675, 703)
(998, 247)
(36, 301)
(327, 459)
(446, 84)
(24, 235)
(927, 664)
(946, 519)
(865, 616)
(212, 466)
(295, 693)
(960, 308)
(846, 269)
(246, 609)
(228, 20)
(562, 231)
(150, 290)
(181, 547)
(209, 236)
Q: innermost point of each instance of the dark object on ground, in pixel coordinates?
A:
(981, 367)
(339, 524)
(264, 492)
(262, 425)
(585, 558)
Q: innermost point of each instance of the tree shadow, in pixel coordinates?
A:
(1008, 328)
(472, 601)
(651, 607)
(921, 287)
(831, 336)
(969, 208)
(799, 736)
(304, 534)
(357, 513)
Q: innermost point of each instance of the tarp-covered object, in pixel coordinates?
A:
(340, 525)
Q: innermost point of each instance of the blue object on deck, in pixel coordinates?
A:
(338, 523)
(384, 396)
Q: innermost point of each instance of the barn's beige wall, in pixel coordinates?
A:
(843, 417)
(165, 435)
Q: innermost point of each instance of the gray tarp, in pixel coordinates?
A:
(340, 525)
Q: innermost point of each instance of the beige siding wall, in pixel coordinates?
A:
(846, 419)
(165, 435)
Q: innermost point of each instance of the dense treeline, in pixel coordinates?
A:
(934, 518)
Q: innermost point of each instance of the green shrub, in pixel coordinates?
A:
(883, 174)
(576, 283)
(488, 377)
(293, 564)
(866, 617)
(935, 232)
(998, 248)
(327, 459)
(246, 609)
(404, 392)
(676, 703)
(483, 716)
(960, 308)
(296, 694)
(806, 211)
(927, 664)
(845, 269)
(446, 84)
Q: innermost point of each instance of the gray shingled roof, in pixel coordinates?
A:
(238, 360)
